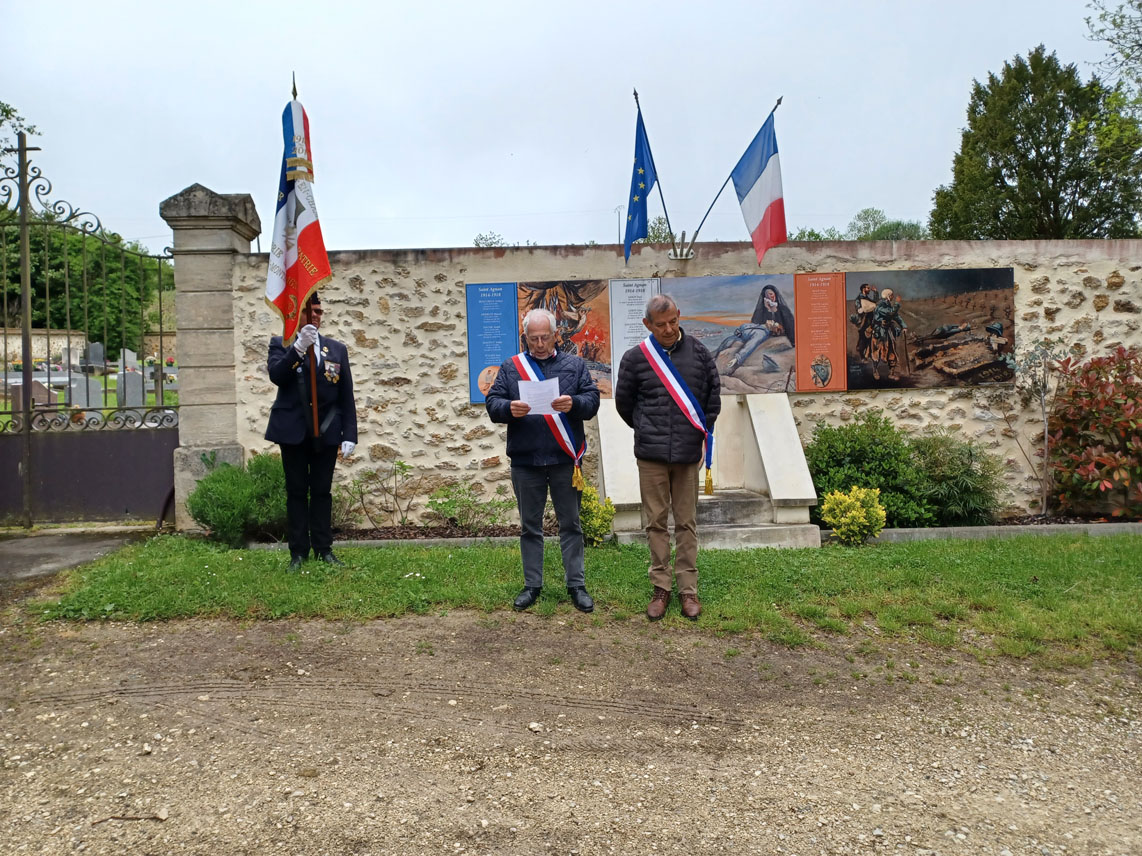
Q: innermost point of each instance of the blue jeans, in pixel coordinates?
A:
(531, 486)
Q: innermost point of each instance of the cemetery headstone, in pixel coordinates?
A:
(72, 357)
(130, 389)
(85, 392)
(94, 357)
(41, 396)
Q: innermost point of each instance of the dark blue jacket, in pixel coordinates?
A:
(334, 387)
(530, 441)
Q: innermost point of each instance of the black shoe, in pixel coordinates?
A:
(581, 599)
(526, 598)
(330, 559)
(295, 563)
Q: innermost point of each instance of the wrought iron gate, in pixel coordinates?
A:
(89, 382)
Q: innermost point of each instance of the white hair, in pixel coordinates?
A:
(539, 313)
(659, 303)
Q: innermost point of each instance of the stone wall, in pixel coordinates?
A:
(151, 346)
(402, 315)
(45, 343)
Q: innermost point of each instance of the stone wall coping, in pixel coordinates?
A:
(850, 254)
(199, 207)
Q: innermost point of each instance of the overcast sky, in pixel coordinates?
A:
(434, 121)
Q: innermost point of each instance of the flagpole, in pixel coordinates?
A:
(658, 178)
(724, 183)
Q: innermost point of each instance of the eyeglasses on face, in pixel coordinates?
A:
(540, 338)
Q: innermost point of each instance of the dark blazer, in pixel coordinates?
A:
(530, 441)
(661, 432)
(334, 388)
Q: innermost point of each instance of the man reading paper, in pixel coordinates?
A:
(546, 450)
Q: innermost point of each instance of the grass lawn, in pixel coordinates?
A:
(1071, 598)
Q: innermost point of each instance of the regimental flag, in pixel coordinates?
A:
(757, 180)
(298, 261)
(640, 184)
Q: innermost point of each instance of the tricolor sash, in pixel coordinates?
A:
(559, 424)
(668, 373)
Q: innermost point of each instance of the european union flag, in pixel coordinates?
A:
(640, 184)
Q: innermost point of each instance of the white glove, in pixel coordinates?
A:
(306, 336)
(347, 447)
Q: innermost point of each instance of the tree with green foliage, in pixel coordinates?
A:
(1121, 28)
(865, 222)
(869, 224)
(898, 230)
(658, 232)
(11, 123)
(872, 224)
(1044, 156)
(808, 233)
(112, 286)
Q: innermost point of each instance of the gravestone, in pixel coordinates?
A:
(94, 358)
(41, 396)
(72, 358)
(128, 360)
(130, 389)
(85, 392)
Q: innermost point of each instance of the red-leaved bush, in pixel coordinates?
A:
(1096, 447)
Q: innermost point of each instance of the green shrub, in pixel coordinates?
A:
(962, 482)
(462, 505)
(855, 516)
(870, 452)
(235, 504)
(1096, 434)
(596, 517)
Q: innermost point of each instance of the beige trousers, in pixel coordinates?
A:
(666, 487)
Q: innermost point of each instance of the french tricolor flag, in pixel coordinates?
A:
(298, 263)
(757, 180)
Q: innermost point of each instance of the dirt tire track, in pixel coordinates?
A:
(520, 734)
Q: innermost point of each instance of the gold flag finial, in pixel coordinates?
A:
(295, 86)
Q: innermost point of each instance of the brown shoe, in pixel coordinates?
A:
(691, 607)
(658, 602)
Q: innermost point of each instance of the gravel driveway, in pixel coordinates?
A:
(512, 734)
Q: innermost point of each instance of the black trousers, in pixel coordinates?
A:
(309, 501)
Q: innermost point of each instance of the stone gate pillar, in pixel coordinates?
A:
(210, 231)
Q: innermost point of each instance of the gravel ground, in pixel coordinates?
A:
(504, 733)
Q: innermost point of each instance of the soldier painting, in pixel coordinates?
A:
(885, 329)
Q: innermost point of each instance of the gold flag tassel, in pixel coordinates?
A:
(577, 479)
(709, 482)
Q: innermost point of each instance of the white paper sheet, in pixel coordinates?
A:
(538, 394)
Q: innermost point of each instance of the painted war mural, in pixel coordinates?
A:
(747, 323)
(775, 332)
(930, 328)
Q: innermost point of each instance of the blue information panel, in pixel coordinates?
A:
(493, 333)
